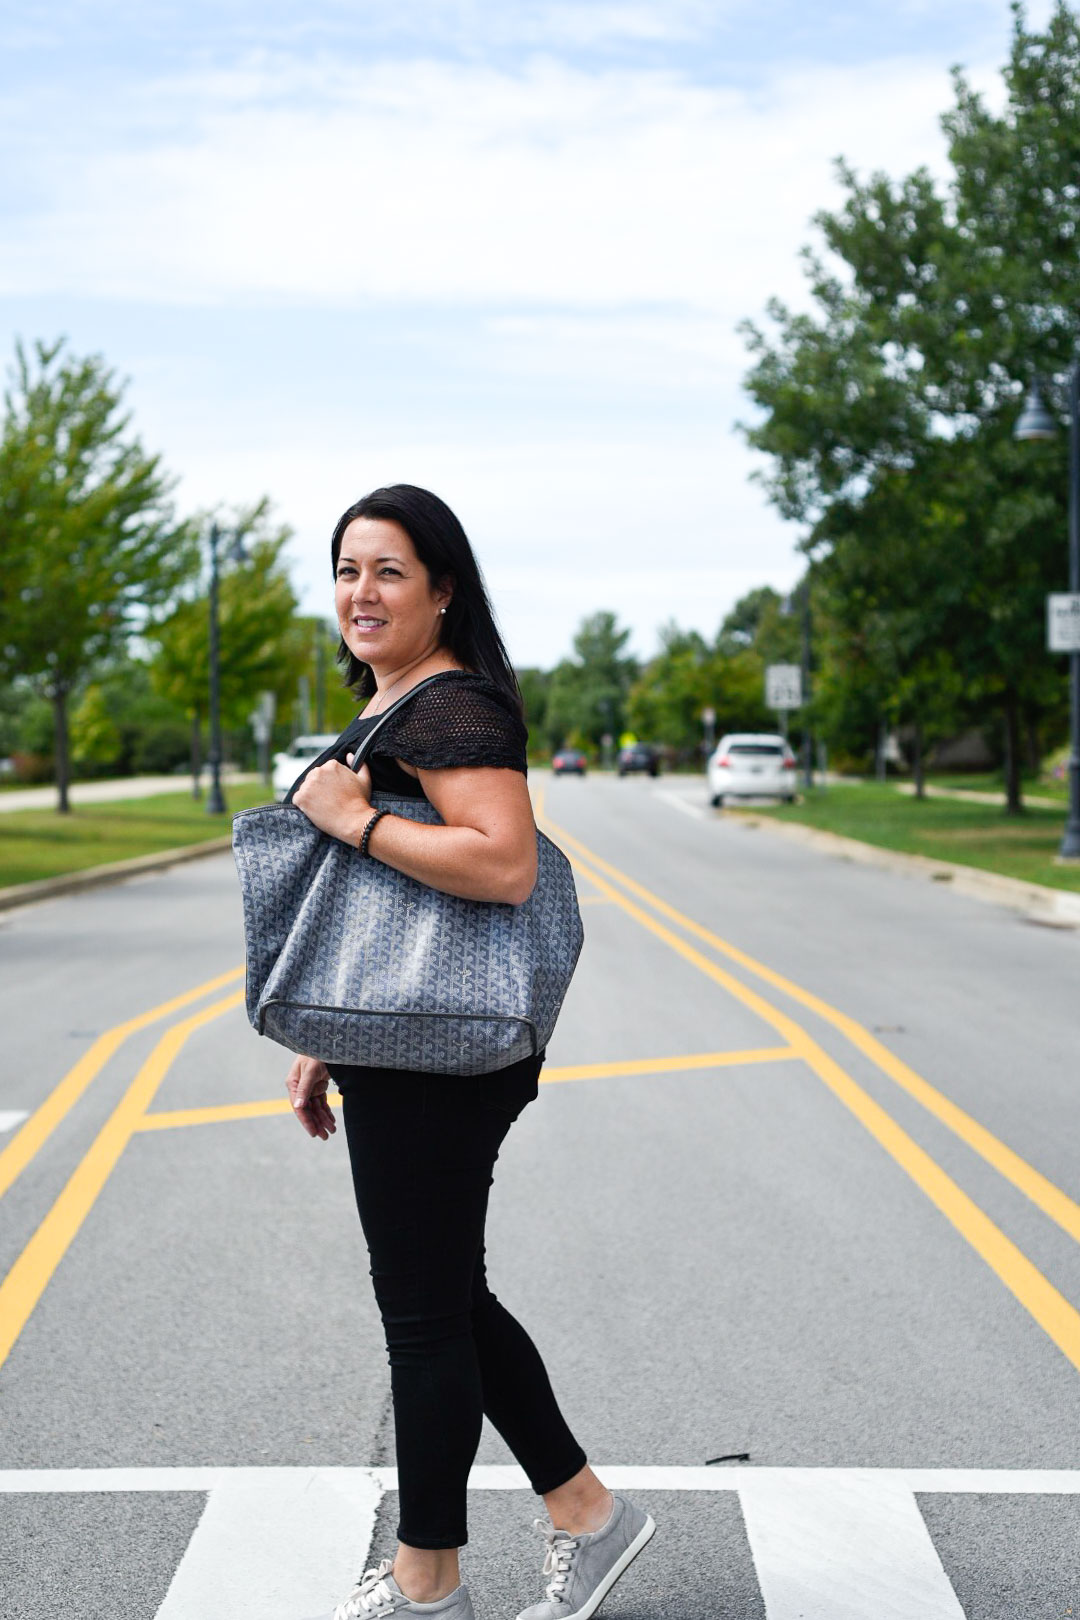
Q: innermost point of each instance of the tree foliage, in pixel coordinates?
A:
(89, 539)
(535, 685)
(586, 697)
(688, 676)
(263, 646)
(887, 410)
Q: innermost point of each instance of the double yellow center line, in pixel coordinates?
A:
(33, 1270)
(1053, 1312)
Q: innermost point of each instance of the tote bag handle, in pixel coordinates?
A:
(364, 749)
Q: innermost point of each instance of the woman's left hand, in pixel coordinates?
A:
(336, 799)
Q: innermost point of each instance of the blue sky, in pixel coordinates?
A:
(497, 249)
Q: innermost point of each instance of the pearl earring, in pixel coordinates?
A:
(442, 610)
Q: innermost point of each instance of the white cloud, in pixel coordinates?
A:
(432, 182)
(651, 530)
(578, 24)
(606, 231)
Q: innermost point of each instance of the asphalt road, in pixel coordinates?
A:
(801, 1188)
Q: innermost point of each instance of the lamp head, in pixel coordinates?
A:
(1035, 421)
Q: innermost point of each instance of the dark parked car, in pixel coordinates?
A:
(639, 757)
(569, 762)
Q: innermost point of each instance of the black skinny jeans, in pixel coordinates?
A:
(422, 1149)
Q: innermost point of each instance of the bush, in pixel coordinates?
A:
(158, 750)
(35, 727)
(1055, 767)
(32, 768)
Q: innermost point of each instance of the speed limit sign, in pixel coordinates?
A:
(783, 687)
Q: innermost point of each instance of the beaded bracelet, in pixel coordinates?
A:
(365, 836)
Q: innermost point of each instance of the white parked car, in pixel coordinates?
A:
(751, 765)
(300, 752)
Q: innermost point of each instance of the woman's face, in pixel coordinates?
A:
(387, 610)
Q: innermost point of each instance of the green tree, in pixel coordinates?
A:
(15, 697)
(587, 695)
(687, 676)
(759, 620)
(888, 410)
(152, 731)
(89, 537)
(330, 706)
(666, 701)
(95, 734)
(535, 686)
(263, 645)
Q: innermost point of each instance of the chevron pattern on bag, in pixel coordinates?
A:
(351, 961)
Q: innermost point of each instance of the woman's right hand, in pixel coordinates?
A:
(307, 1083)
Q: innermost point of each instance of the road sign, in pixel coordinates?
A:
(783, 687)
(1063, 623)
(262, 718)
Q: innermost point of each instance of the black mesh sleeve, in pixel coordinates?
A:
(460, 720)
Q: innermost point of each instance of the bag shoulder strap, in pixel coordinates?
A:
(364, 749)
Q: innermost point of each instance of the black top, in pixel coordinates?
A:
(461, 719)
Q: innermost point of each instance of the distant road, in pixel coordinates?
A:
(124, 787)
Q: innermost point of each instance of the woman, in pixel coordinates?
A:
(411, 603)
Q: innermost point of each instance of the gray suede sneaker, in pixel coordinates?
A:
(584, 1568)
(379, 1594)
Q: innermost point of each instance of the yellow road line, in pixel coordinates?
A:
(36, 1131)
(1049, 1308)
(217, 1114)
(220, 1113)
(671, 1065)
(225, 1113)
(30, 1275)
(1042, 1192)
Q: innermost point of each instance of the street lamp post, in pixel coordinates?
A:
(807, 740)
(1036, 422)
(320, 676)
(215, 799)
(801, 597)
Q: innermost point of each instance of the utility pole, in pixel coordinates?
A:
(807, 661)
(215, 799)
(320, 676)
(1036, 422)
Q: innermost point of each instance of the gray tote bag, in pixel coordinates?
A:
(351, 961)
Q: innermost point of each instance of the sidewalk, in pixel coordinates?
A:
(124, 787)
(975, 796)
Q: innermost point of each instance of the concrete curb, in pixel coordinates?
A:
(1059, 908)
(94, 877)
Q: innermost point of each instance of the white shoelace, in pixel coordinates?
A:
(371, 1597)
(558, 1558)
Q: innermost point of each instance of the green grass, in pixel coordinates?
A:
(41, 844)
(945, 829)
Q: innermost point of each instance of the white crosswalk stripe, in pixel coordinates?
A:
(844, 1547)
(827, 1543)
